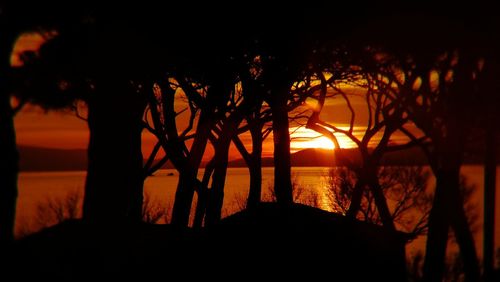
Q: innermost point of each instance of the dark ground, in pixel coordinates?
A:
(267, 242)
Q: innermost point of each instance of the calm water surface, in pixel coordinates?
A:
(37, 187)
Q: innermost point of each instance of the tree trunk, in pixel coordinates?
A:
(183, 199)
(464, 238)
(356, 198)
(369, 177)
(447, 210)
(282, 165)
(9, 158)
(216, 193)
(201, 205)
(9, 168)
(186, 186)
(381, 202)
(437, 236)
(255, 168)
(490, 170)
(114, 183)
(216, 99)
(174, 148)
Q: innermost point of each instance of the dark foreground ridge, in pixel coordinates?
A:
(269, 241)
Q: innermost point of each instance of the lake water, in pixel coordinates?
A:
(38, 187)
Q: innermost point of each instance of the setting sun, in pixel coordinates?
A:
(303, 138)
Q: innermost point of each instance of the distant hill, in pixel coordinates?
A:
(412, 156)
(49, 159)
(323, 157)
(306, 157)
(313, 157)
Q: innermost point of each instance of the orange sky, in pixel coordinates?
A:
(53, 129)
(62, 129)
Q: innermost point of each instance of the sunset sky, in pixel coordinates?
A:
(62, 129)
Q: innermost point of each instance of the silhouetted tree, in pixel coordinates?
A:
(15, 19)
(227, 130)
(284, 44)
(489, 119)
(220, 132)
(211, 97)
(435, 81)
(283, 62)
(385, 117)
(84, 59)
(439, 83)
(9, 163)
(161, 106)
(447, 129)
(71, 63)
(256, 125)
(405, 187)
(187, 162)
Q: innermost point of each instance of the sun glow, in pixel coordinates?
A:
(303, 138)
